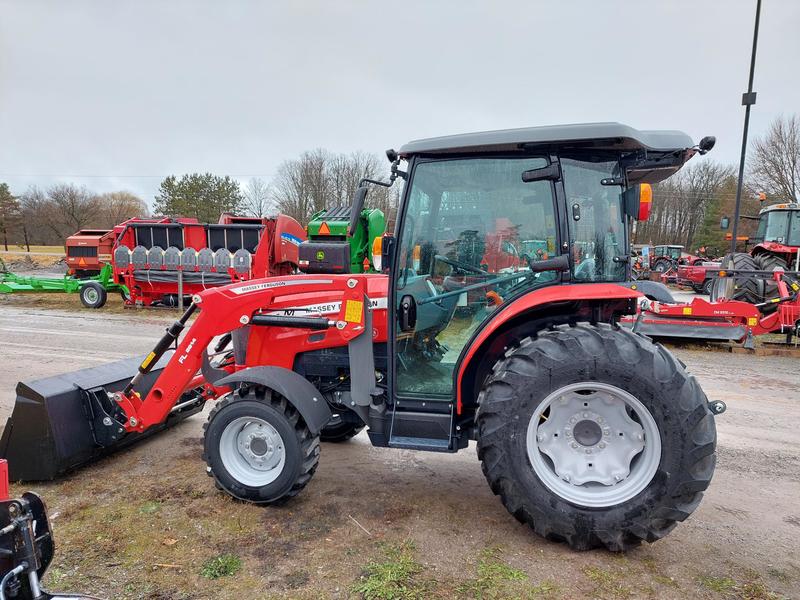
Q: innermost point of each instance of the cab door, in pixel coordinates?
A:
(467, 236)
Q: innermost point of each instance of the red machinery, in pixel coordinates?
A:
(159, 260)
(731, 320)
(88, 250)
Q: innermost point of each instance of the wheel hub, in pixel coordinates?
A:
(596, 453)
(587, 432)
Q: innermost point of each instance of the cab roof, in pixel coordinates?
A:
(598, 136)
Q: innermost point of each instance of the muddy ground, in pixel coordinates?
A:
(148, 523)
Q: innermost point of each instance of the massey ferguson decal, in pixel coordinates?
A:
(324, 308)
(266, 285)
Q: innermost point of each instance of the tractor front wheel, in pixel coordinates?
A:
(595, 436)
(258, 448)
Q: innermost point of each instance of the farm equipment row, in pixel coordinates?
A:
(162, 261)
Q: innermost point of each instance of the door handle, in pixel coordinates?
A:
(407, 313)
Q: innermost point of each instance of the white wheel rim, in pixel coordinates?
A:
(593, 444)
(252, 451)
(91, 295)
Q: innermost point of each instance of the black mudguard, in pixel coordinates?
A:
(654, 290)
(303, 395)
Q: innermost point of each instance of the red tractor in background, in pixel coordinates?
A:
(590, 433)
(776, 245)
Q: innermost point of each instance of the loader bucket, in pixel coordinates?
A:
(50, 430)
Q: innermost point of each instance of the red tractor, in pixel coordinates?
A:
(591, 434)
(777, 245)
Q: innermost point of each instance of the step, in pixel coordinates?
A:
(417, 443)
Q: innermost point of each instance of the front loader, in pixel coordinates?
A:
(588, 432)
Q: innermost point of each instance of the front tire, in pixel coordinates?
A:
(258, 448)
(595, 436)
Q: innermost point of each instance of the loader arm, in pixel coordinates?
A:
(220, 311)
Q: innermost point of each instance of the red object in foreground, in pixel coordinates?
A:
(3, 479)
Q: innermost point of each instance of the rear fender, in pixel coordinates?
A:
(655, 290)
(529, 313)
(302, 394)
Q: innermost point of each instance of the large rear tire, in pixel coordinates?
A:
(770, 262)
(738, 288)
(595, 436)
(258, 448)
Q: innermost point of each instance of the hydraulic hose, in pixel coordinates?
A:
(12, 573)
(172, 334)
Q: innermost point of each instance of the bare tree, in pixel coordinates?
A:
(116, 207)
(681, 203)
(9, 213)
(775, 163)
(320, 179)
(257, 201)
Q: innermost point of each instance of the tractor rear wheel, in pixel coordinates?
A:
(662, 266)
(770, 262)
(595, 436)
(258, 448)
(738, 288)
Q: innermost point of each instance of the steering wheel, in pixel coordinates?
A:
(460, 265)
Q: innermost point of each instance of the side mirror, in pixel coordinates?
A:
(385, 252)
(724, 223)
(638, 200)
(706, 144)
(356, 208)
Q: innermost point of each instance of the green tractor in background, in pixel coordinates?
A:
(326, 231)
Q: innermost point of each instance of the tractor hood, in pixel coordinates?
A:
(647, 156)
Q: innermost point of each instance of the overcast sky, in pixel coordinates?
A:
(117, 95)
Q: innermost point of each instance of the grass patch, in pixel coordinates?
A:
(150, 507)
(493, 577)
(221, 566)
(721, 585)
(607, 583)
(394, 578)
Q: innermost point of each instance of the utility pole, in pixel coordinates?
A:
(748, 99)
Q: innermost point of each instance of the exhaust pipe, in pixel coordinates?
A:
(55, 426)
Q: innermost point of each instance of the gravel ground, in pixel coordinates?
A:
(144, 523)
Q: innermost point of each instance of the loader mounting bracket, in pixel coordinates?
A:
(106, 416)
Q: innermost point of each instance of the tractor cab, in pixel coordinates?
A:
(779, 228)
(672, 251)
(489, 218)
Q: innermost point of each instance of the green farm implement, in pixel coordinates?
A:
(93, 291)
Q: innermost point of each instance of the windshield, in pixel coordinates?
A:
(773, 226)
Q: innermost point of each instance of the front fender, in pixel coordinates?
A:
(302, 394)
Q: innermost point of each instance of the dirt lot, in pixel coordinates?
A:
(149, 523)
